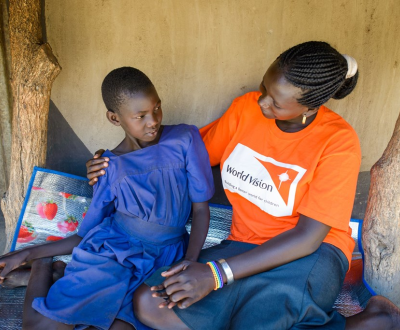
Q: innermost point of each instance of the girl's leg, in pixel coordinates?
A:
(20, 276)
(17, 278)
(117, 325)
(40, 281)
(380, 313)
(147, 311)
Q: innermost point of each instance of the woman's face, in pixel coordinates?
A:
(279, 97)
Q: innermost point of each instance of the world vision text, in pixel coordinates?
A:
(249, 179)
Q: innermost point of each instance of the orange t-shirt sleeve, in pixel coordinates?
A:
(331, 193)
(218, 134)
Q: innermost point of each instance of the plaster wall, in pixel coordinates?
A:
(202, 54)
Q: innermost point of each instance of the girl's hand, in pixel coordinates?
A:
(11, 261)
(186, 283)
(94, 166)
(175, 269)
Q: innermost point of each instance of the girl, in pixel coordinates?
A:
(136, 221)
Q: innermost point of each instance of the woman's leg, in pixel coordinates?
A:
(147, 311)
(380, 313)
(40, 281)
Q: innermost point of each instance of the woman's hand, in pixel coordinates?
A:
(94, 166)
(186, 283)
(11, 261)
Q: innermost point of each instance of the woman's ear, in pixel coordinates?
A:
(113, 118)
(311, 112)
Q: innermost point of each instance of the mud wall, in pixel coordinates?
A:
(201, 54)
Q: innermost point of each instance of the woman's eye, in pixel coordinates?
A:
(278, 107)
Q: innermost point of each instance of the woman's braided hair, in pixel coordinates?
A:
(319, 70)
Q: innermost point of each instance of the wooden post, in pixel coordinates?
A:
(381, 229)
(5, 101)
(33, 70)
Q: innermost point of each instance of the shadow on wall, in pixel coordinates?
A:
(65, 151)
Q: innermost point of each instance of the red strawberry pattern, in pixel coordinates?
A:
(84, 213)
(53, 238)
(39, 209)
(50, 210)
(26, 233)
(68, 196)
(68, 225)
(38, 188)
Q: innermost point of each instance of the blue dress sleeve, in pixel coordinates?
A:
(102, 205)
(201, 182)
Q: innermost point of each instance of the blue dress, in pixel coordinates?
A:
(135, 225)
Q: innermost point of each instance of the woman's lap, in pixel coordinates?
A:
(298, 295)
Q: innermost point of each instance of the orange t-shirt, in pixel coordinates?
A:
(271, 177)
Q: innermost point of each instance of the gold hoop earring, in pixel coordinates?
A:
(304, 119)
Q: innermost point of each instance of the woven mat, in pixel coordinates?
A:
(72, 195)
(53, 209)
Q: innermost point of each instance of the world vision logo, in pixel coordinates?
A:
(282, 178)
(267, 183)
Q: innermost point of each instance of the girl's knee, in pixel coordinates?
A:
(143, 304)
(147, 311)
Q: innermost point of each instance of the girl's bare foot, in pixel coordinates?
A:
(20, 276)
(380, 313)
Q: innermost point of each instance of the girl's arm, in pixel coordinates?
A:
(198, 233)
(13, 260)
(196, 281)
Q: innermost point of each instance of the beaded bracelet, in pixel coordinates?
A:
(219, 283)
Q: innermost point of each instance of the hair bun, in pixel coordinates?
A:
(346, 88)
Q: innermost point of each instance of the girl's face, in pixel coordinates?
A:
(140, 117)
(279, 97)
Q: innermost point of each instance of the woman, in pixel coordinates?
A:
(289, 168)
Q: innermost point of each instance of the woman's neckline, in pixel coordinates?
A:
(296, 135)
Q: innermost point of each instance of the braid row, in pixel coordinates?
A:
(319, 70)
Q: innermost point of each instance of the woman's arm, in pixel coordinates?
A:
(95, 166)
(13, 260)
(196, 281)
(291, 245)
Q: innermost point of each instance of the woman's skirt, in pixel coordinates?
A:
(297, 295)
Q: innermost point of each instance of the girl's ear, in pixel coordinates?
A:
(113, 118)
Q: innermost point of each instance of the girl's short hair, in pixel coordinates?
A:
(319, 70)
(121, 83)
